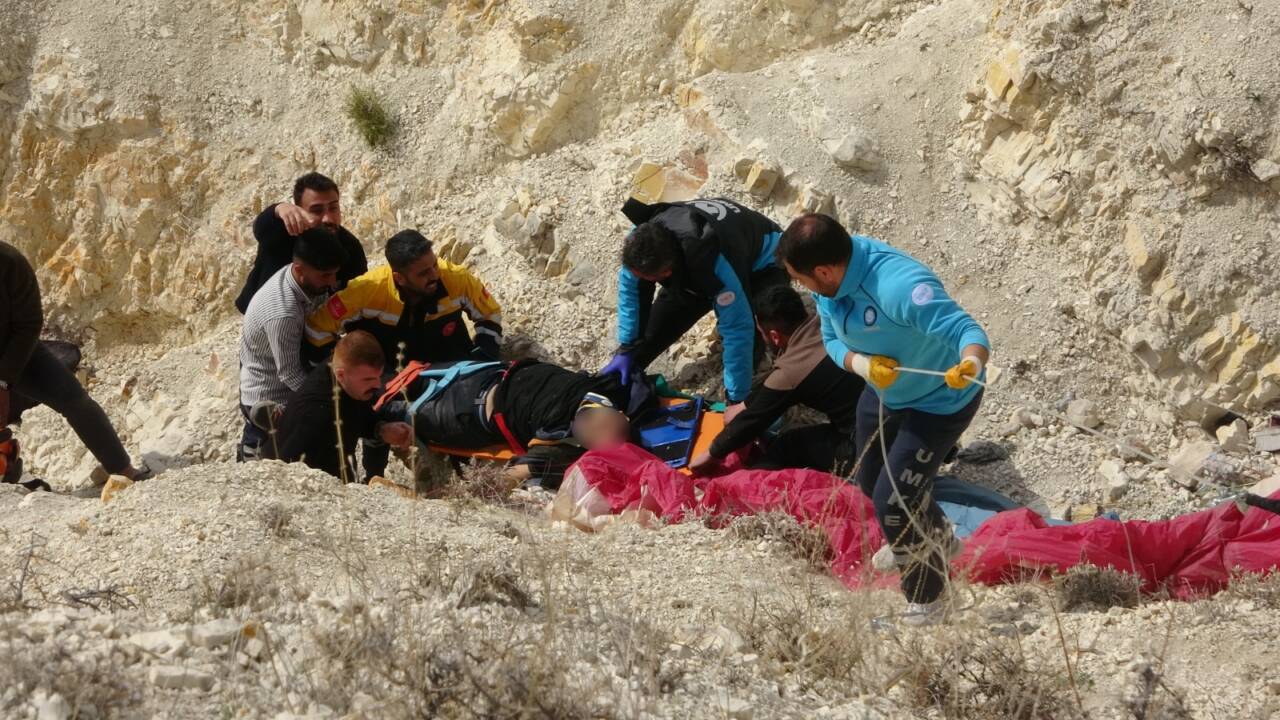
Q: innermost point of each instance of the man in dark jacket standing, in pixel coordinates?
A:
(30, 374)
(707, 255)
(315, 202)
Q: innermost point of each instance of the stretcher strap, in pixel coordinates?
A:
(400, 382)
(441, 379)
(512, 442)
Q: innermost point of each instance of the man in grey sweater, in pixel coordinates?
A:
(271, 365)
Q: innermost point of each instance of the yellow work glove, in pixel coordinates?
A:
(963, 373)
(878, 370)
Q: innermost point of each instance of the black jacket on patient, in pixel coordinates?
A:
(536, 401)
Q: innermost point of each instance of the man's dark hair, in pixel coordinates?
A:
(320, 248)
(812, 240)
(312, 181)
(650, 249)
(780, 307)
(405, 247)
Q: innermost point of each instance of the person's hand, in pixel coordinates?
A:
(731, 411)
(704, 464)
(296, 220)
(396, 434)
(4, 407)
(878, 370)
(621, 365)
(963, 373)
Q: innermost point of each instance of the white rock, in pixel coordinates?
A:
(216, 633)
(855, 151)
(1117, 480)
(1185, 465)
(735, 708)
(1083, 413)
(50, 707)
(1265, 170)
(1234, 437)
(159, 642)
(176, 677)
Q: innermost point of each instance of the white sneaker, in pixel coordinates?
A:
(883, 561)
(925, 614)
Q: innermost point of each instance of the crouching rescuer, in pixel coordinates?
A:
(881, 309)
(708, 255)
(334, 407)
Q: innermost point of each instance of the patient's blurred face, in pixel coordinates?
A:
(601, 428)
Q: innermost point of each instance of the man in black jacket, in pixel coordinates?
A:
(707, 255)
(334, 408)
(315, 202)
(802, 374)
(31, 374)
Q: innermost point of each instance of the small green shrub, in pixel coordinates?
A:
(368, 112)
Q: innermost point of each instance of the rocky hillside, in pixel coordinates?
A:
(1096, 179)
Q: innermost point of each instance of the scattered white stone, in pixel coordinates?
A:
(1234, 437)
(855, 151)
(735, 708)
(50, 707)
(1117, 480)
(176, 677)
(1083, 413)
(1265, 170)
(215, 634)
(1185, 465)
(159, 642)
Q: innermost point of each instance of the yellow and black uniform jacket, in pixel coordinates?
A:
(432, 330)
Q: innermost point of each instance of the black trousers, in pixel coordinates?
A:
(824, 447)
(47, 381)
(910, 518)
(671, 315)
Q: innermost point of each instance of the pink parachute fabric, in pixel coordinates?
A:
(1189, 556)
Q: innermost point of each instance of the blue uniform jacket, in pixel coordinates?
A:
(724, 244)
(890, 304)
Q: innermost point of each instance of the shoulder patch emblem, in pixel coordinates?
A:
(869, 316)
(336, 308)
(726, 298)
(922, 293)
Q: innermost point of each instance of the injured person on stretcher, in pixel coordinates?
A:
(546, 415)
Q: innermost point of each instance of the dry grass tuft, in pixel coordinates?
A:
(494, 586)
(1152, 699)
(249, 582)
(276, 519)
(89, 681)
(1091, 587)
(972, 675)
(472, 659)
(803, 542)
(1262, 590)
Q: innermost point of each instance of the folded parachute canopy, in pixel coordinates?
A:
(1187, 556)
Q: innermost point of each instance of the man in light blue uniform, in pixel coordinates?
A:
(703, 255)
(881, 309)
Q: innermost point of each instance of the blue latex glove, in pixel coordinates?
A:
(621, 365)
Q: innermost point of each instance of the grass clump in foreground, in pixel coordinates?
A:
(1090, 587)
(368, 111)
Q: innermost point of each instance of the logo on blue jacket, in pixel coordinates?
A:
(869, 316)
